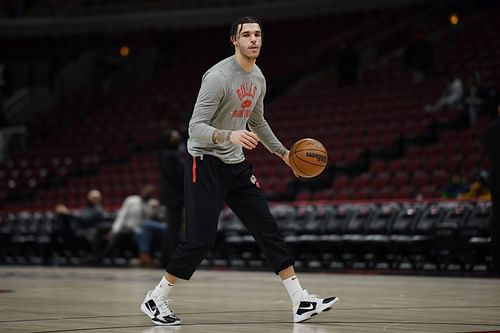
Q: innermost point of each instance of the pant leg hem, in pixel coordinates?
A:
(285, 264)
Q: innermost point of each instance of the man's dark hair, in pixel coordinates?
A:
(242, 20)
(147, 192)
(167, 140)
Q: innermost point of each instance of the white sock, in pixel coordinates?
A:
(294, 289)
(163, 288)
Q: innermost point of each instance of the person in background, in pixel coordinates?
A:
(87, 216)
(137, 215)
(452, 95)
(418, 55)
(475, 98)
(78, 229)
(456, 186)
(479, 189)
(171, 164)
(491, 140)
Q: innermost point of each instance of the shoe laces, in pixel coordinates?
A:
(310, 296)
(162, 304)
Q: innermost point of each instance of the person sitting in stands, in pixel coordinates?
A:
(137, 215)
(479, 189)
(77, 230)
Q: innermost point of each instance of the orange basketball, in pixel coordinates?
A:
(308, 157)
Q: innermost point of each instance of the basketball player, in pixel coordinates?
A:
(230, 98)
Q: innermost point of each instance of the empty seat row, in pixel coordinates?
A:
(418, 236)
(440, 235)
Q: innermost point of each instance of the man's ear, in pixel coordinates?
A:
(233, 40)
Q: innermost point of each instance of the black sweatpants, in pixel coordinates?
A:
(208, 183)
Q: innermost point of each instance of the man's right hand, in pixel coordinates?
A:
(61, 209)
(246, 139)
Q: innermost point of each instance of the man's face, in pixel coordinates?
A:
(248, 40)
(94, 197)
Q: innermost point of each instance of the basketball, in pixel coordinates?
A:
(308, 157)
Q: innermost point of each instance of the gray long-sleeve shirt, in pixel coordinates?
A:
(228, 99)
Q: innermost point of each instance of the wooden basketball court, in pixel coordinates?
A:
(107, 300)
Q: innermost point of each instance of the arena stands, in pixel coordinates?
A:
(377, 206)
(404, 237)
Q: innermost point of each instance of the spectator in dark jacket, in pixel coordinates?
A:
(492, 143)
(77, 230)
(171, 163)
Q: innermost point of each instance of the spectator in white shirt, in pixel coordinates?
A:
(137, 214)
(452, 94)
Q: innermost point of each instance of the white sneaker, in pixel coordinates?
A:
(157, 309)
(311, 305)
